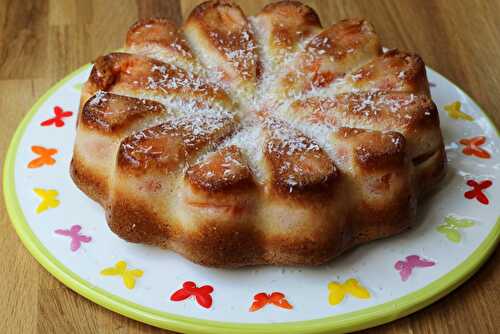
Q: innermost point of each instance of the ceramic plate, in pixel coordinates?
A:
(372, 284)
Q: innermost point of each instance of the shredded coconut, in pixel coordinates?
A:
(186, 81)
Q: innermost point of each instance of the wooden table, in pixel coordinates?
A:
(43, 40)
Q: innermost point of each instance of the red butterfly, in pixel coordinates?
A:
(275, 298)
(202, 294)
(477, 191)
(58, 119)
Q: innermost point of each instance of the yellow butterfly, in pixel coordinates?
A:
(48, 197)
(337, 291)
(453, 110)
(120, 269)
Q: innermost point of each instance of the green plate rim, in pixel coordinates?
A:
(369, 317)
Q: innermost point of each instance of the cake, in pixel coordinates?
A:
(236, 140)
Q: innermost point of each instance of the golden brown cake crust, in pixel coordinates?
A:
(226, 28)
(158, 32)
(291, 21)
(112, 113)
(221, 171)
(296, 163)
(239, 141)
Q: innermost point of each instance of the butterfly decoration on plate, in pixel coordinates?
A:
(405, 267)
(76, 237)
(276, 298)
(44, 157)
(58, 119)
(128, 276)
(49, 199)
(189, 289)
(338, 291)
(477, 191)
(472, 147)
(453, 110)
(451, 226)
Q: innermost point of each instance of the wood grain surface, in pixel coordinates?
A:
(43, 40)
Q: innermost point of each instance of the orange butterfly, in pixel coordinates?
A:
(45, 157)
(472, 147)
(275, 298)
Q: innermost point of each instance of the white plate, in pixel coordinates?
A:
(450, 260)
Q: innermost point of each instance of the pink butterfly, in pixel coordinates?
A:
(76, 237)
(412, 261)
